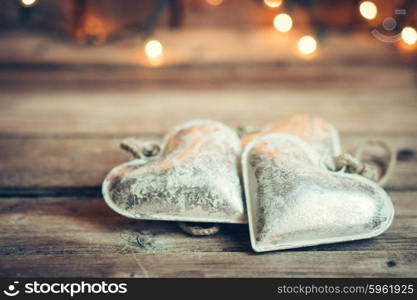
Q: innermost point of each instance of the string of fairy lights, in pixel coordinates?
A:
(369, 11)
(283, 23)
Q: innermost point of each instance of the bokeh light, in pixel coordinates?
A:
(154, 52)
(307, 45)
(368, 10)
(28, 3)
(273, 3)
(283, 23)
(214, 2)
(153, 49)
(409, 35)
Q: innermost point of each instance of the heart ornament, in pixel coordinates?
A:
(195, 178)
(294, 200)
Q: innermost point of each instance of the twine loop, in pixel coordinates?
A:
(246, 130)
(199, 229)
(355, 165)
(138, 149)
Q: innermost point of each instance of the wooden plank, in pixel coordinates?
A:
(279, 264)
(17, 76)
(198, 47)
(153, 112)
(61, 165)
(79, 226)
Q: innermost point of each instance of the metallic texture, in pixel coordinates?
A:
(321, 135)
(195, 178)
(293, 200)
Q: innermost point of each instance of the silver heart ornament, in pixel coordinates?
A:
(195, 178)
(293, 200)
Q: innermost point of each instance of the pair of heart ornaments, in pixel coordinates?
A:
(280, 180)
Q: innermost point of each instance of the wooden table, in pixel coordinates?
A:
(60, 127)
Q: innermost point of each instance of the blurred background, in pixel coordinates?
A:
(132, 45)
(168, 40)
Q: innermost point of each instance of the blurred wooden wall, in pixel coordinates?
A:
(113, 16)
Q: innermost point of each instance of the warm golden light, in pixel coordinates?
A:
(307, 45)
(283, 23)
(214, 2)
(409, 35)
(273, 3)
(28, 3)
(154, 52)
(368, 10)
(153, 49)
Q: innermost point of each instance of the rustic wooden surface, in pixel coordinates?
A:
(59, 134)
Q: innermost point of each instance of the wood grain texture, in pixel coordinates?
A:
(278, 264)
(53, 78)
(78, 226)
(154, 112)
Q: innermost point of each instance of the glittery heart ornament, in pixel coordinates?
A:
(293, 200)
(195, 178)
